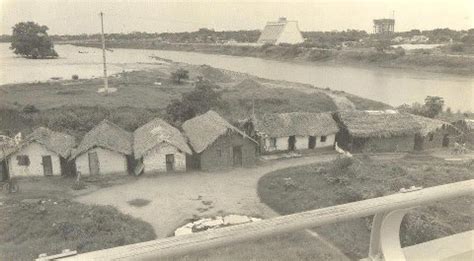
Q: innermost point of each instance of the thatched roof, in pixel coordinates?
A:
(365, 124)
(106, 135)
(203, 130)
(154, 133)
(295, 123)
(57, 142)
(428, 125)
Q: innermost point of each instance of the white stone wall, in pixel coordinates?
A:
(155, 159)
(281, 144)
(330, 140)
(110, 162)
(35, 152)
(301, 142)
(291, 34)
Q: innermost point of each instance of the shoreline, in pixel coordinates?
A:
(335, 58)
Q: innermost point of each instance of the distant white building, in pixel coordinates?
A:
(282, 31)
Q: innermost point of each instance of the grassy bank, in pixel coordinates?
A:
(29, 227)
(322, 185)
(354, 56)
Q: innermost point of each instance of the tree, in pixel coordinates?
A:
(31, 40)
(203, 98)
(179, 75)
(433, 106)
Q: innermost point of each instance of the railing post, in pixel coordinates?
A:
(385, 236)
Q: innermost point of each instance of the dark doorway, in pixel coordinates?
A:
(291, 143)
(94, 166)
(312, 142)
(3, 171)
(237, 156)
(169, 162)
(47, 166)
(446, 140)
(418, 142)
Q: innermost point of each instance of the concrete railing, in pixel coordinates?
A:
(384, 245)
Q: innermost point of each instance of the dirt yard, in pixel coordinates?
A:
(176, 198)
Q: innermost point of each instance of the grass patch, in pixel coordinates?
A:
(321, 185)
(51, 225)
(138, 202)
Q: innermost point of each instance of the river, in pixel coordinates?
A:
(392, 86)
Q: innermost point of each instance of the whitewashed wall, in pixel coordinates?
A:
(35, 152)
(155, 159)
(330, 140)
(291, 34)
(302, 143)
(110, 162)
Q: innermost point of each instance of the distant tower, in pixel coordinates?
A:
(385, 26)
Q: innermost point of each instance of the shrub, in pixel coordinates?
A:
(79, 185)
(75, 77)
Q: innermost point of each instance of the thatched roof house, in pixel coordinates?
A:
(104, 149)
(388, 130)
(43, 152)
(160, 146)
(294, 131)
(217, 143)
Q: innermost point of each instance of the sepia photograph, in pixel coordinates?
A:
(247, 130)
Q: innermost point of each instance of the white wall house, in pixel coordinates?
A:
(108, 162)
(104, 150)
(282, 31)
(296, 131)
(42, 153)
(159, 147)
(34, 160)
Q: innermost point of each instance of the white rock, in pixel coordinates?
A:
(235, 219)
(183, 231)
(253, 219)
(213, 223)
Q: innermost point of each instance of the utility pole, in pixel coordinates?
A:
(106, 82)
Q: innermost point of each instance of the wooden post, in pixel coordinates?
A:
(106, 82)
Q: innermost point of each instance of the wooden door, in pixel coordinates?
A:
(94, 167)
(237, 156)
(169, 162)
(47, 166)
(312, 142)
(291, 143)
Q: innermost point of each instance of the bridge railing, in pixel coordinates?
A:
(384, 243)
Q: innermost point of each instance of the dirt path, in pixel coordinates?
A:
(175, 198)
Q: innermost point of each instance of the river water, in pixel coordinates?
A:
(392, 86)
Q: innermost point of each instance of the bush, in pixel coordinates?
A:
(458, 48)
(75, 77)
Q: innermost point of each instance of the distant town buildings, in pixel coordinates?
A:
(282, 31)
(384, 26)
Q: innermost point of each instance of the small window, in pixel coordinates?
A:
(323, 138)
(431, 136)
(23, 160)
(273, 142)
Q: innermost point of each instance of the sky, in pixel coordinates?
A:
(82, 16)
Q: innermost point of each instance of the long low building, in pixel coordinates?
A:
(295, 131)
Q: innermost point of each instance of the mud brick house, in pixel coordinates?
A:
(159, 147)
(433, 133)
(295, 131)
(106, 149)
(376, 131)
(42, 153)
(217, 144)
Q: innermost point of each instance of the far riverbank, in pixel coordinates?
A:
(409, 60)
